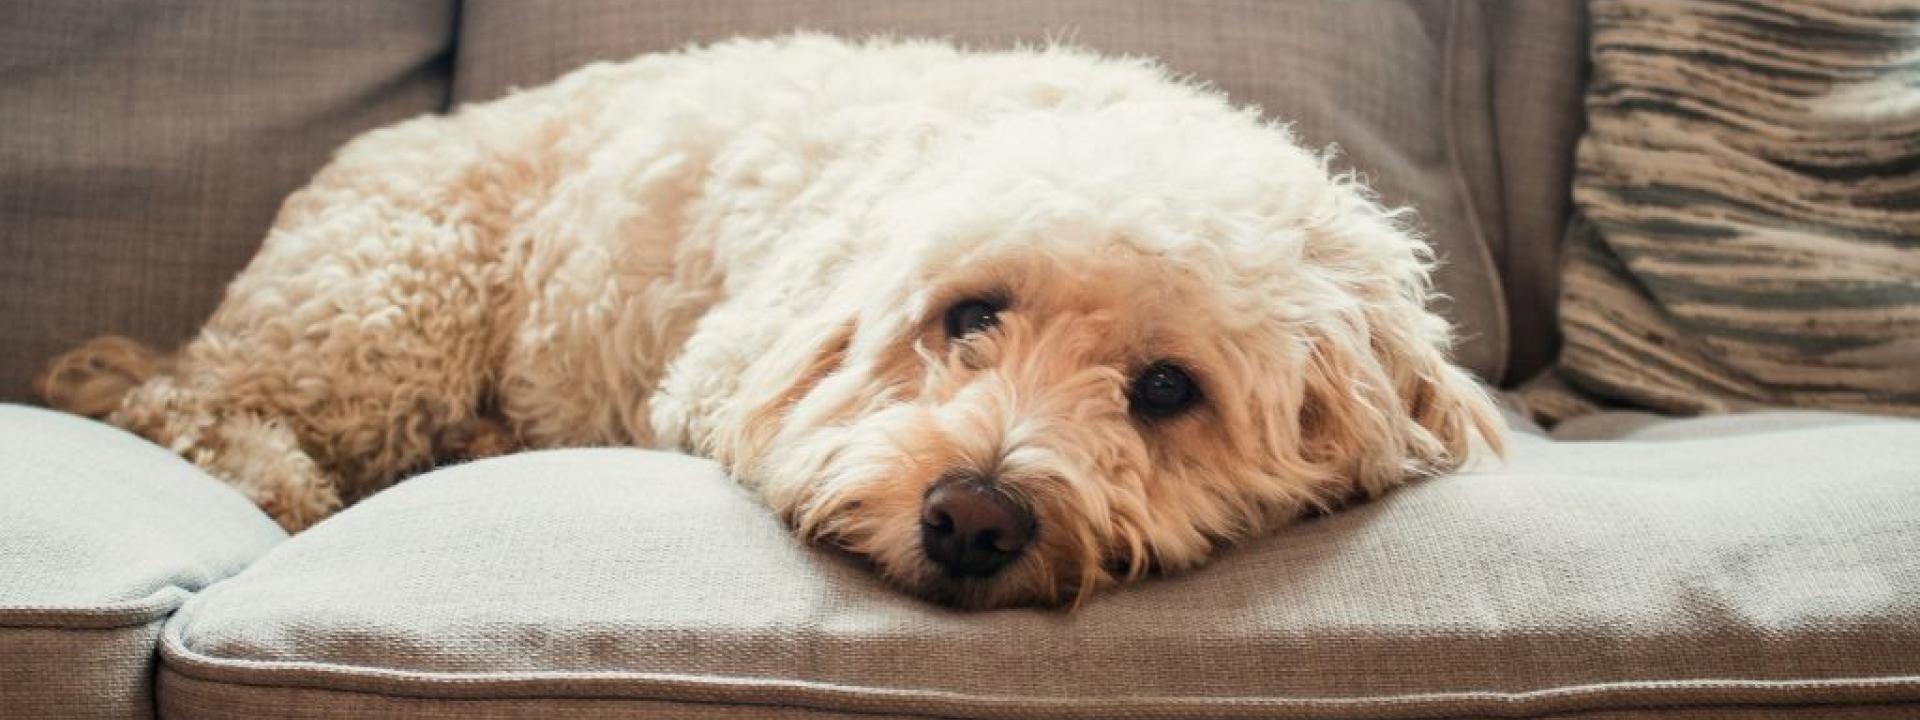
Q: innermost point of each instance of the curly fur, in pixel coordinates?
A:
(744, 251)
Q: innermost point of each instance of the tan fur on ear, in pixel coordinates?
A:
(1347, 415)
(1382, 405)
(1445, 408)
(1453, 410)
(774, 384)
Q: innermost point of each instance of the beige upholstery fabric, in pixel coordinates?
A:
(102, 535)
(1724, 571)
(1373, 77)
(1538, 74)
(1642, 426)
(145, 145)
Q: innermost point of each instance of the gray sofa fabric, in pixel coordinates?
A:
(102, 536)
(1700, 568)
(145, 145)
(1537, 74)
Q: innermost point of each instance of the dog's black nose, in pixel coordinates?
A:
(972, 530)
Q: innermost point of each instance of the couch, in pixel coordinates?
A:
(1621, 565)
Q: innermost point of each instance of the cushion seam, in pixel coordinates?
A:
(129, 613)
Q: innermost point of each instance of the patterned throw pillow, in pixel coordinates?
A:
(1749, 200)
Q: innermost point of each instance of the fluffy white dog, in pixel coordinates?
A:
(1014, 326)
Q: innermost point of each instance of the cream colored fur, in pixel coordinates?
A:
(745, 252)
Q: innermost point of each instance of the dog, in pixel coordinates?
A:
(1012, 326)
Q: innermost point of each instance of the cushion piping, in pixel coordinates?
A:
(711, 689)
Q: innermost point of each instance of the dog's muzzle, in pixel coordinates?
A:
(972, 530)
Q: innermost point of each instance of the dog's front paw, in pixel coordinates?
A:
(296, 511)
(473, 439)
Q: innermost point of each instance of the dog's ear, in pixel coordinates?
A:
(807, 352)
(1381, 403)
(1448, 411)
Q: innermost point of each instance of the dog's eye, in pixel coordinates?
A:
(1163, 390)
(971, 316)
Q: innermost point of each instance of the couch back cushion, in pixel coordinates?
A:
(1538, 73)
(1751, 209)
(145, 145)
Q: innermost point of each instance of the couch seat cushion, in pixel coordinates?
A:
(102, 536)
(1729, 574)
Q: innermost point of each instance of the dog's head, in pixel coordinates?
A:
(1100, 344)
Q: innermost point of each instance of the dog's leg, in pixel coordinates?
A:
(92, 379)
(131, 385)
(357, 334)
(258, 455)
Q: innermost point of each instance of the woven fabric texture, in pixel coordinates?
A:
(1751, 208)
(102, 535)
(145, 145)
(1701, 569)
